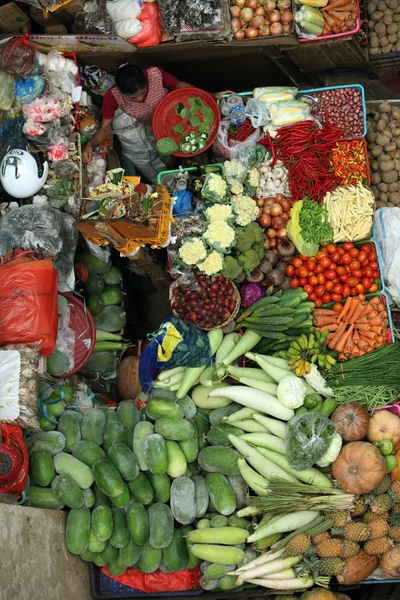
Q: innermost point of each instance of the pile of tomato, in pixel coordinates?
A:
(335, 272)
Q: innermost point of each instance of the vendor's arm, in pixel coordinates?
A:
(99, 137)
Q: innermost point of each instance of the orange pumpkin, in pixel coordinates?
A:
(357, 568)
(359, 468)
(128, 378)
(384, 425)
(351, 421)
(395, 474)
(318, 594)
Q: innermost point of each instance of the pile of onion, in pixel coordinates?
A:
(260, 18)
(275, 213)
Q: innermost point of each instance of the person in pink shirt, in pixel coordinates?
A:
(128, 109)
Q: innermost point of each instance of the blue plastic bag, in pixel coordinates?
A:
(183, 202)
(175, 344)
(28, 89)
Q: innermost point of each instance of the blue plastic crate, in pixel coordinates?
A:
(105, 587)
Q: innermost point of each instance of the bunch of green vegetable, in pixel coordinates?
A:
(247, 252)
(314, 224)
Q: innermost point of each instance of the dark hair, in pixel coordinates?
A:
(129, 79)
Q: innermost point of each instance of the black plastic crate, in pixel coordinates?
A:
(386, 62)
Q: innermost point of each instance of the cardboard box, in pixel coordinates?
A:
(12, 19)
(40, 17)
(65, 13)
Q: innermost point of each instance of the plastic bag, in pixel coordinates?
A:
(309, 436)
(96, 79)
(28, 308)
(55, 61)
(17, 56)
(151, 32)
(66, 338)
(294, 232)
(58, 147)
(176, 343)
(244, 159)
(273, 94)
(222, 147)
(257, 113)
(182, 202)
(28, 89)
(44, 109)
(19, 385)
(92, 20)
(215, 188)
(12, 443)
(7, 83)
(152, 583)
(124, 15)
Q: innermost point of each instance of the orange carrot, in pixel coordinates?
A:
(339, 332)
(380, 307)
(358, 312)
(364, 351)
(363, 326)
(330, 337)
(339, 16)
(334, 4)
(363, 345)
(356, 351)
(364, 319)
(329, 20)
(324, 312)
(349, 345)
(378, 330)
(369, 334)
(345, 309)
(375, 300)
(329, 327)
(380, 339)
(342, 358)
(322, 321)
(340, 346)
(376, 322)
(383, 314)
(361, 297)
(354, 304)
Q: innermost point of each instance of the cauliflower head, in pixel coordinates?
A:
(254, 178)
(192, 251)
(235, 185)
(219, 235)
(215, 187)
(212, 264)
(245, 208)
(234, 169)
(291, 391)
(218, 212)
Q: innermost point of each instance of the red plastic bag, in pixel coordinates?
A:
(151, 33)
(153, 583)
(29, 304)
(13, 460)
(17, 56)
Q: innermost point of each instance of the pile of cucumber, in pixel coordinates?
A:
(156, 487)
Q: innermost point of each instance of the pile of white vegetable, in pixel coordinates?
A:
(273, 181)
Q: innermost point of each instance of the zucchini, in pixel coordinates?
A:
(161, 407)
(107, 478)
(138, 523)
(150, 558)
(120, 535)
(66, 464)
(161, 524)
(102, 523)
(87, 452)
(221, 493)
(78, 530)
(155, 453)
(140, 433)
(99, 560)
(95, 545)
(125, 461)
(100, 499)
(88, 498)
(92, 425)
(223, 555)
(67, 491)
(109, 554)
(141, 489)
(219, 459)
(41, 467)
(123, 499)
(177, 430)
(130, 554)
(69, 426)
(183, 503)
(161, 484)
(40, 497)
(176, 555)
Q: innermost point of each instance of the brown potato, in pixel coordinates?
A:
(396, 130)
(374, 190)
(382, 197)
(371, 135)
(381, 125)
(397, 140)
(396, 113)
(375, 165)
(387, 19)
(376, 151)
(376, 178)
(390, 176)
(382, 139)
(377, 16)
(390, 204)
(380, 29)
(392, 28)
(384, 108)
(371, 7)
(394, 187)
(386, 166)
(384, 41)
(390, 147)
(394, 197)
(393, 4)
(384, 158)
(374, 50)
(383, 187)
(396, 18)
(374, 41)
(392, 38)
(384, 117)
(380, 204)
(382, 5)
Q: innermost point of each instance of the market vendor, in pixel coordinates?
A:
(129, 107)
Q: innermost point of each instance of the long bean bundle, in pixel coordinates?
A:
(378, 368)
(369, 397)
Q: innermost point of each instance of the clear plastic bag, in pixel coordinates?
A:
(92, 20)
(66, 338)
(223, 148)
(28, 89)
(244, 158)
(7, 83)
(17, 56)
(273, 94)
(309, 436)
(257, 113)
(124, 15)
(58, 147)
(44, 109)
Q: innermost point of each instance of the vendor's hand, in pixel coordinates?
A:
(87, 154)
(218, 95)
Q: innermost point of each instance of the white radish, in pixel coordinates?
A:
(272, 567)
(286, 523)
(287, 584)
(249, 511)
(278, 362)
(170, 372)
(287, 574)
(238, 372)
(262, 465)
(260, 401)
(272, 425)
(310, 476)
(265, 440)
(253, 479)
(260, 560)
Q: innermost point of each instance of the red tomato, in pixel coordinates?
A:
(303, 281)
(326, 298)
(372, 256)
(311, 259)
(338, 308)
(344, 278)
(337, 297)
(312, 296)
(354, 252)
(326, 262)
(341, 251)
(368, 272)
(335, 256)
(308, 289)
(330, 274)
(341, 271)
(303, 257)
(348, 270)
(346, 258)
(335, 281)
(303, 272)
(329, 285)
(357, 273)
(375, 275)
(331, 248)
(373, 288)
(355, 265)
(311, 266)
(318, 269)
(290, 270)
(346, 290)
(319, 291)
(318, 302)
(294, 283)
(353, 281)
(366, 248)
(321, 278)
(353, 292)
(297, 262)
(338, 289)
(348, 246)
(297, 271)
(366, 282)
(374, 265)
(313, 280)
(360, 289)
(363, 256)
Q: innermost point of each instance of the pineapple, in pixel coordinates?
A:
(359, 507)
(356, 531)
(377, 546)
(349, 549)
(381, 504)
(298, 545)
(383, 486)
(339, 518)
(329, 548)
(378, 529)
(395, 490)
(369, 517)
(320, 537)
(331, 566)
(394, 527)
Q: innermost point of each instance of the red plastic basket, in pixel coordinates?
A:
(165, 117)
(83, 325)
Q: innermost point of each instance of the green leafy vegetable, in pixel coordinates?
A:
(167, 145)
(179, 129)
(179, 108)
(195, 121)
(185, 113)
(204, 128)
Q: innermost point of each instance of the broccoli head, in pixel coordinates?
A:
(248, 236)
(231, 269)
(250, 259)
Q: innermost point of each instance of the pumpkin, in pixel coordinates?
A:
(351, 421)
(318, 594)
(384, 425)
(128, 378)
(395, 473)
(357, 568)
(389, 563)
(359, 468)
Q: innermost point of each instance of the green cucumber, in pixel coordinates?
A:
(193, 561)
(112, 417)
(217, 415)
(177, 430)
(240, 522)
(188, 406)
(176, 555)
(192, 469)
(217, 521)
(92, 425)
(100, 498)
(221, 493)
(141, 489)
(202, 426)
(88, 556)
(128, 413)
(69, 465)
(203, 524)
(40, 497)
(138, 523)
(219, 459)
(190, 448)
(102, 523)
(78, 530)
(140, 433)
(99, 561)
(130, 554)
(228, 582)
(161, 407)
(123, 499)
(161, 484)
(117, 568)
(218, 436)
(109, 554)
(224, 555)
(201, 495)
(150, 558)
(52, 441)
(161, 524)
(41, 467)
(107, 477)
(183, 503)
(176, 459)
(216, 571)
(88, 498)
(240, 490)
(155, 453)
(120, 535)
(125, 461)
(69, 426)
(113, 434)
(87, 452)
(67, 491)
(95, 545)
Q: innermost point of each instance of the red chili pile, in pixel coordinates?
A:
(305, 151)
(341, 107)
(350, 162)
(335, 272)
(209, 306)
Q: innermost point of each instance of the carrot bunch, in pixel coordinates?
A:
(340, 16)
(357, 329)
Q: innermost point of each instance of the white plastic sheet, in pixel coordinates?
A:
(387, 233)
